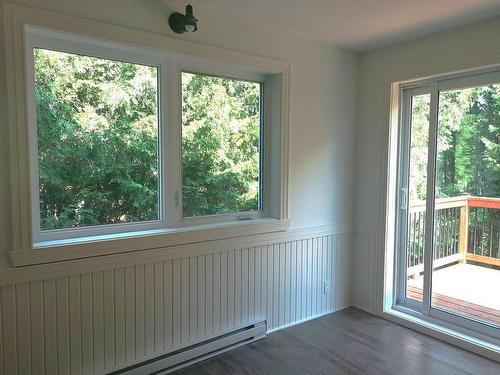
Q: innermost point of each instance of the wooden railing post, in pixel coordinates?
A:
(463, 232)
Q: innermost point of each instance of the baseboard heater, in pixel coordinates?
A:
(195, 353)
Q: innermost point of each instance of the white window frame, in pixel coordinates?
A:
(205, 67)
(26, 28)
(432, 86)
(49, 40)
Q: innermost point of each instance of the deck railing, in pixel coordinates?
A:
(466, 228)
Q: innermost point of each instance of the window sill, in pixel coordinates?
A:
(62, 250)
(483, 345)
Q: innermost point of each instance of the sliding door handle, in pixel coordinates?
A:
(403, 199)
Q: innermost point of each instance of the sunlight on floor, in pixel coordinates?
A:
(466, 282)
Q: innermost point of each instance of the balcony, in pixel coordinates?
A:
(466, 265)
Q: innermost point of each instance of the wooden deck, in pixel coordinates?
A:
(457, 306)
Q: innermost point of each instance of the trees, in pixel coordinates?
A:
(468, 161)
(468, 142)
(97, 140)
(419, 147)
(97, 124)
(220, 145)
(468, 157)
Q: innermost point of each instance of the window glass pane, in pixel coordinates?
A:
(466, 270)
(220, 145)
(97, 124)
(417, 187)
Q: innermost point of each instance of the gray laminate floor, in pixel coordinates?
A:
(347, 342)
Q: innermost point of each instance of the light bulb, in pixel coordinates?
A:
(190, 28)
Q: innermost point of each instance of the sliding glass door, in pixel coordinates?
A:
(415, 192)
(449, 200)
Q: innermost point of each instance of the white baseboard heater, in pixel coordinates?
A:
(198, 352)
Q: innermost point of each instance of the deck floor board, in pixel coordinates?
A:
(457, 305)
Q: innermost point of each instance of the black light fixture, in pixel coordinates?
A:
(181, 23)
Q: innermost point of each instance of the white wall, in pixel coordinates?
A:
(145, 304)
(462, 48)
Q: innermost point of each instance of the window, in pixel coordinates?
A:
(221, 145)
(448, 255)
(417, 184)
(95, 126)
(97, 132)
(127, 141)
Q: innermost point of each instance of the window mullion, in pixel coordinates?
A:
(266, 143)
(429, 216)
(33, 143)
(173, 144)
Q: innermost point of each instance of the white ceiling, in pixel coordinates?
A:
(353, 24)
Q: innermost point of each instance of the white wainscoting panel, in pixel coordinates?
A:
(99, 321)
(367, 289)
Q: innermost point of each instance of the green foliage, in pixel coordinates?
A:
(220, 145)
(97, 140)
(419, 146)
(468, 159)
(468, 162)
(468, 142)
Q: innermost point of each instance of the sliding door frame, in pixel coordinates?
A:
(432, 87)
(402, 204)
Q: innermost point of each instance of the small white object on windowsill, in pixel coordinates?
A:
(247, 215)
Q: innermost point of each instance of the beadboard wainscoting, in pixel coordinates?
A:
(112, 314)
(367, 286)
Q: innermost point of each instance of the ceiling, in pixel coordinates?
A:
(353, 24)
